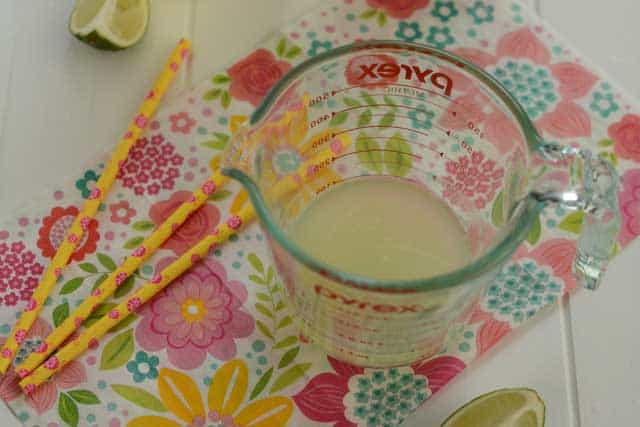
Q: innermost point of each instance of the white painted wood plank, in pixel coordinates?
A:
(68, 101)
(605, 342)
(229, 29)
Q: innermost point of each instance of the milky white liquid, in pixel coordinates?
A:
(382, 228)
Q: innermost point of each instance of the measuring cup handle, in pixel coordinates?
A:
(593, 189)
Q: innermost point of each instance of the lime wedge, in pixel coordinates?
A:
(514, 407)
(110, 24)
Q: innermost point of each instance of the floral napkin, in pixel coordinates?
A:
(217, 347)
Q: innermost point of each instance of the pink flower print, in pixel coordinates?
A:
(72, 238)
(157, 278)
(42, 348)
(94, 194)
(139, 251)
(168, 183)
(141, 120)
(51, 363)
(43, 397)
(6, 353)
(400, 9)
(84, 223)
(200, 313)
(182, 122)
(197, 226)
(234, 222)
(133, 304)
(173, 66)
(20, 335)
(208, 187)
(22, 373)
(19, 273)
(96, 292)
(114, 314)
(31, 305)
(471, 181)
(150, 95)
(548, 96)
(626, 137)
(121, 212)
(120, 278)
(3, 248)
(629, 200)
(147, 166)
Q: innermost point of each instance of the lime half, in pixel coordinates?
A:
(110, 24)
(512, 407)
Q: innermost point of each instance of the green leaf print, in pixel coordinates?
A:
(293, 52)
(71, 285)
(125, 287)
(350, 102)
(225, 99)
(284, 322)
(286, 342)
(382, 18)
(261, 384)
(397, 155)
(212, 94)
(369, 13)
(572, 222)
(365, 118)
(60, 313)
(124, 323)
(264, 329)
(117, 351)
(289, 376)
(84, 397)
(106, 261)
(68, 410)
(139, 397)
(263, 297)
(534, 232)
(219, 143)
(219, 79)
(288, 357)
(338, 118)
(257, 279)
(388, 119)
(96, 314)
(605, 143)
(220, 195)
(88, 267)
(282, 45)
(143, 225)
(255, 262)
(367, 98)
(99, 280)
(264, 310)
(497, 214)
(133, 242)
(368, 151)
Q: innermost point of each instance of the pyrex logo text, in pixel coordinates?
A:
(380, 308)
(390, 70)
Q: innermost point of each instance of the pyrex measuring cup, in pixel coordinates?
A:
(425, 115)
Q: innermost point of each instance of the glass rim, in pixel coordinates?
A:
(494, 257)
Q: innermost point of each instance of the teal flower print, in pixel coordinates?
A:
(481, 12)
(444, 10)
(143, 367)
(286, 161)
(520, 290)
(87, 182)
(408, 31)
(531, 84)
(421, 118)
(384, 397)
(603, 104)
(318, 47)
(440, 37)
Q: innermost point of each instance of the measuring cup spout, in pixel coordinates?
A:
(592, 190)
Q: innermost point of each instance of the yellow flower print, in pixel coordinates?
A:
(227, 392)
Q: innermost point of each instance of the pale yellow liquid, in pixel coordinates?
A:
(382, 228)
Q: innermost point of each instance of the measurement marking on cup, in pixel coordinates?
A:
(344, 89)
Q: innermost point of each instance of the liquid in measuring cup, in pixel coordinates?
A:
(383, 228)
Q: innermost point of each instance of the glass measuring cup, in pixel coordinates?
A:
(431, 117)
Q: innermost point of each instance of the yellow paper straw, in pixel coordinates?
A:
(141, 296)
(305, 172)
(147, 248)
(81, 222)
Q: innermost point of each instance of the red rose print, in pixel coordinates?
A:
(401, 9)
(253, 76)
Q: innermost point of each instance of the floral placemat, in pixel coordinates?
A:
(218, 348)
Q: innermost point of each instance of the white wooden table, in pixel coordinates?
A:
(582, 358)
